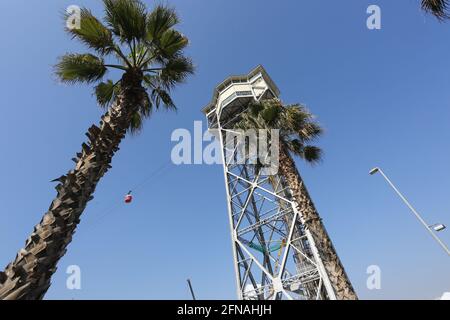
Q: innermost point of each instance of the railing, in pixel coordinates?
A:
(235, 95)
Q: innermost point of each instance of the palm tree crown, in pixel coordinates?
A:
(295, 123)
(145, 46)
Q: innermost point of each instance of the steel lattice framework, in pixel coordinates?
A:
(274, 254)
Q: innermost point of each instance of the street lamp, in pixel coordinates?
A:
(430, 228)
(438, 227)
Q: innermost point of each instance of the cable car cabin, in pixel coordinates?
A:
(128, 198)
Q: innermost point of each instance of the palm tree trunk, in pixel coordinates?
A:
(28, 276)
(333, 266)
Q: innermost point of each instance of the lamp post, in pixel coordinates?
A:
(191, 289)
(430, 228)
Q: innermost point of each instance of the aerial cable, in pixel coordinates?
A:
(100, 217)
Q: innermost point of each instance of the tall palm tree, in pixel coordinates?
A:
(298, 130)
(439, 8)
(148, 51)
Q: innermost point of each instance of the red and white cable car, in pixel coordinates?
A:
(128, 198)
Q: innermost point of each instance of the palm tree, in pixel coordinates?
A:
(439, 8)
(297, 131)
(150, 56)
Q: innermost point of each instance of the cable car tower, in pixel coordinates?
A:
(275, 257)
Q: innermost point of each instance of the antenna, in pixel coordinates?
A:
(190, 288)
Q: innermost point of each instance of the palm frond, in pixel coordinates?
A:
(146, 107)
(312, 154)
(255, 108)
(295, 146)
(271, 113)
(106, 93)
(136, 124)
(310, 131)
(73, 68)
(159, 95)
(137, 120)
(296, 115)
(298, 119)
(161, 19)
(176, 71)
(171, 44)
(93, 33)
(141, 52)
(127, 19)
(438, 8)
(162, 97)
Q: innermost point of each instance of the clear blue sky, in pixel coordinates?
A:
(383, 97)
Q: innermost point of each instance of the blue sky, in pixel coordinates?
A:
(383, 97)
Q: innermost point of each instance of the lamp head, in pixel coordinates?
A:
(438, 227)
(374, 171)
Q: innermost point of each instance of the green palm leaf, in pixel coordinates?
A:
(171, 43)
(161, 19)
(137, 119)
(176, 71)
(270, 114)
(161, 96)
(106, 92)
(136, 123)
(93, 33)
(158, 93)
(312, 154)
(73, 68)
(127, 19)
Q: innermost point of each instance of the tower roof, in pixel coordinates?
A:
(240, 78)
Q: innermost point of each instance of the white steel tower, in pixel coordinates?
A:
(275, 256)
